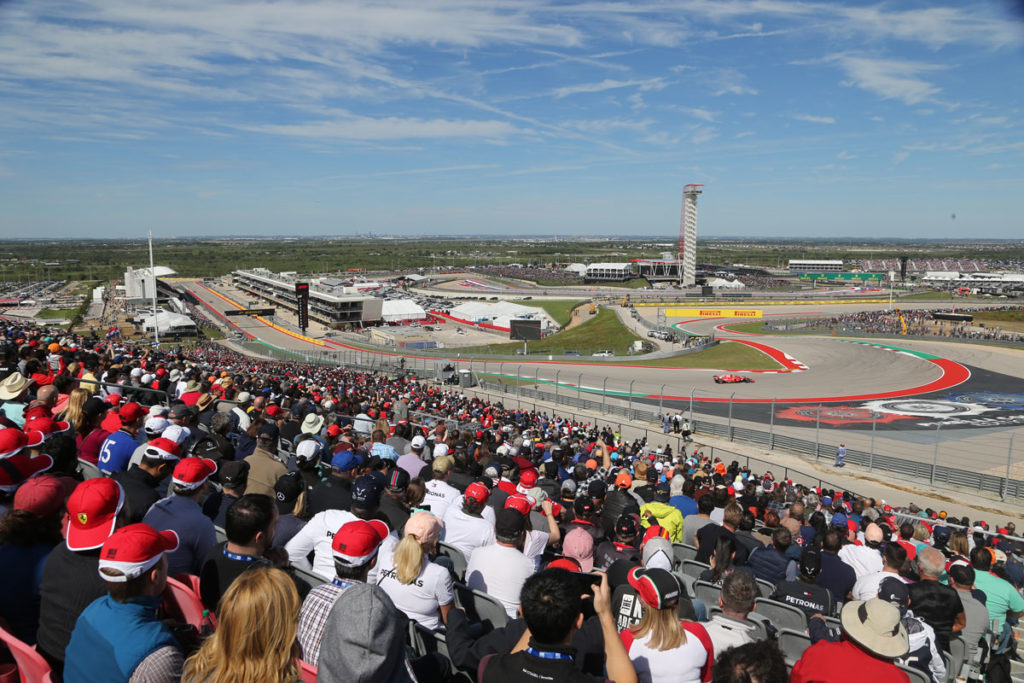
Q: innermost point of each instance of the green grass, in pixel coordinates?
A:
(726, 356)
(602, 331)
(1010, 320)
(635, 283)
(56, 313)
(757, 327)
(560, 310)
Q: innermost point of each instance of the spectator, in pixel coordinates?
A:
(771, 563)
(441, 494)
(142, 482)
(28, 534)
(501, 569)
(923, 654)
(553, 612)
(617, 502)
(694, 523)
(624, 547)
(255, 636)
(287, 492)
(837, 576)
(804, 593)
(249, 525)
(234, 477)
(14, 395)
(182, 514)
(118, 447)
(659, 512)
(722, 560)
(893, 559)
(682, 496)
(119, 637)
(465, 526)
(867, 558)
(1001, 598)
(412, 462)
(355, 548)
(731, 628)
(364, 639)
(661, 647)
(71, 577)
(939, 605)
(757, 662)
(872, 636)
(392, 503)
(92, 436)
(335, 492)
(961, 577)
(264, 466)
(708, 535)
(417, 586)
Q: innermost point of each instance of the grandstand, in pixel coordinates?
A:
(607, 272)
(924, 265)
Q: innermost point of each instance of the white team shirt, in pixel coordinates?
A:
(466, 532)
(440, 495)
(422, 599)
(500, 571)
(317, 537)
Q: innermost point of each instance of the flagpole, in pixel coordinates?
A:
(152, 274)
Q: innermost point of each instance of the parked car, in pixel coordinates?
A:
(571, 353)
(602, 354)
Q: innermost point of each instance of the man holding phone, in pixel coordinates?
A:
(552, 604)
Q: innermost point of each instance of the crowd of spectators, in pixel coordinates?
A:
(314, 512)
(549, 276)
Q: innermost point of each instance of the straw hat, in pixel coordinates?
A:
(13, 385)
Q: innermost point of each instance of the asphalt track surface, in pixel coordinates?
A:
(904, 391)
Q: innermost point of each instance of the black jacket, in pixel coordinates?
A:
(71, 581)
(140, 491)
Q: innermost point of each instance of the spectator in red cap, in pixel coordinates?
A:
(91, 436)
(470, 525)
(142, 482)
(117, 448)
(119, 637)
(355, 549)
(70, 578)
(182, 513)
(28, 533)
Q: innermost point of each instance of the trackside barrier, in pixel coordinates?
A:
(127, 389)
(610, 405)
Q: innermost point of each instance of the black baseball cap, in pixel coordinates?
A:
(398, 481)
(509, 522)
(810, 563)
(234, 473)
(627, 525)
(662, 492)
(597, 489)
(583, 506)
(287, 490)
(895, 591)
(366, 492)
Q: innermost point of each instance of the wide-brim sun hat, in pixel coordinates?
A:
(875, 625)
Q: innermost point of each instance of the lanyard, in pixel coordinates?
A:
(240, 558)
(341, 584)
(547, 655)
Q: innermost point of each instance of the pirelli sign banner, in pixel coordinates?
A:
(713, 313)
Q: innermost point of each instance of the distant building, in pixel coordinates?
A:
(139, 282)
(597, 272)
(330, 306)
(815, 266)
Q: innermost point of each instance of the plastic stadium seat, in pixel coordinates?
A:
(456, 556)
(88, 470)
(432, 641)
(182, 602)
(693, 568)
(765, 588)
(707, 592)
(916, 675)
(481, 607)
(683, 551)
(222, 535)
(781, 615)
(31, 665)
(793, 643)
(310, 578)
(688, 583)
(958, 656)
(307, 672)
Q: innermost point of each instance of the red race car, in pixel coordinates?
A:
(731, 379)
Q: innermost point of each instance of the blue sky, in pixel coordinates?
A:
(496, 118)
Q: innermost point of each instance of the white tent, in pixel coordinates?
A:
(578, 268)
(169, 322)
(397, 310)
(721, 283)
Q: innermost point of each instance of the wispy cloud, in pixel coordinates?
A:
(811, 118)
(608, 84)
(390, 128)
(889, 78)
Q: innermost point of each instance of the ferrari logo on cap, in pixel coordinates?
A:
(82, 518)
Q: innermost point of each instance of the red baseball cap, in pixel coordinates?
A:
(273, 410)
(357, 542)
(133, 550)
(45, 426)
(567, 563)
(13, 440)
(42, 496)
(333, 430)
(130, 412)
(520, 503)
(162, 449)
(191, 473)
(114, 399)
(20, 467)
(478, 491)
(92, 513)
(32, 412)
(657, 587)
(655, 531)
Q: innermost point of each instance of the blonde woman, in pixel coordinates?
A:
(664, 649)
(255, 637)
(417, 586)
(73, 412)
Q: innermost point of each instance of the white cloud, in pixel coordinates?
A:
(698, 113)
(735, 89)
(846, 155)
(607, 84)
(390, 128)
(889, 78)
(811, 118)
(900, 157)
(744, 134)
